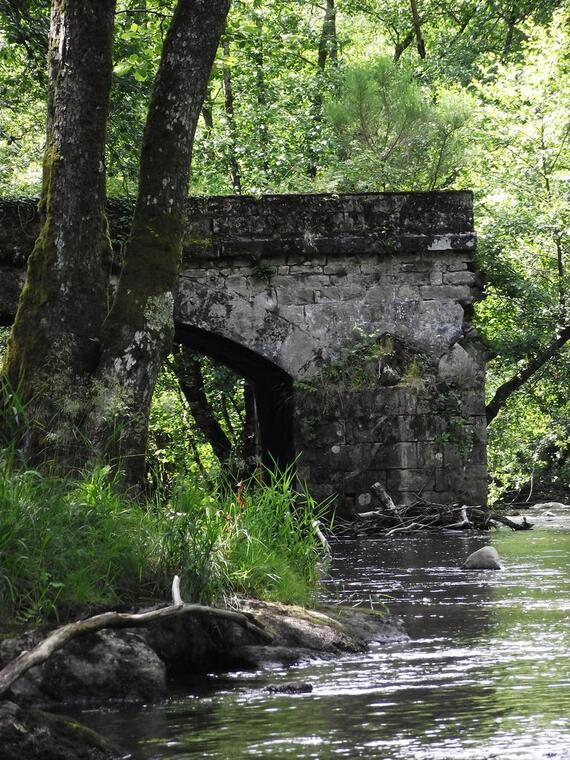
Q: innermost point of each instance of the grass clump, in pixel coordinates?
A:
(68, 546)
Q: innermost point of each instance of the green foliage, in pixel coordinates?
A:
(521, 179)
(391, 134)
(176, 444)
(67, 546)
(258, 542)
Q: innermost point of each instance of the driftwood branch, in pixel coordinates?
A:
(384, 498)
(524, 525)
(58, 638)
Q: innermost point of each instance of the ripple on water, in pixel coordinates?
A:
(487, 674)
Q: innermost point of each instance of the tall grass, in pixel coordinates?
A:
(73, 545)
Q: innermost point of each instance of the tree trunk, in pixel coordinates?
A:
(54, 344)
(88, 376)
(189, 374)
(138, 332)
(420, 44)
(328, 46)
(235, 172)
(328, 49)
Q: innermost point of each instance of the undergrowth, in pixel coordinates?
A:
(69, 546)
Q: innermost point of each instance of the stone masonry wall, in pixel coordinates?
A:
(364, 302)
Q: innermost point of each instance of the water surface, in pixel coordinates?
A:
(486, 675)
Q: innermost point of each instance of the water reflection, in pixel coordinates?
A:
(486, 675)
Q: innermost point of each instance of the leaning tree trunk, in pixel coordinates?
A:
(139, 329)
(54, 344)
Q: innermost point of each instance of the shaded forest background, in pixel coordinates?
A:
(356, 95)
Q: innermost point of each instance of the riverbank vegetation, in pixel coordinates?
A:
(71, 545)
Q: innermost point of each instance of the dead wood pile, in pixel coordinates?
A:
(387, 519)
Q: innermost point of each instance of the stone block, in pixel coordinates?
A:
(420, 266)
(328, 293)
(338, 268)
(295, 296)
(410, 480)
(401, 400)
(460, 293)
(372, 429)
(429, 455)
(307, 268)
(467, 482)
(408, 291)
(460, 278)
(380, 294)
(360, 481)
(370, 265)
(421, 427)
(394, 456)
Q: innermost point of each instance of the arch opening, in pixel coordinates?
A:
(272, 390)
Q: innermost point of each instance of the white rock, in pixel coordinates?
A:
(485, 558)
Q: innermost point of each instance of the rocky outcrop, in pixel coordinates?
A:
(34, 735)
(300, 634)
(105, 666)
(134, 665)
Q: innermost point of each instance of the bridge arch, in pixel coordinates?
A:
(272, 388)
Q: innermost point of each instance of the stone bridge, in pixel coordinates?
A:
(351, 316)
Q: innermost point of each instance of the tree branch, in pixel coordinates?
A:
(506, 390)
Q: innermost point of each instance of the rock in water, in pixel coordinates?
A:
(291, 687)
(485, 558)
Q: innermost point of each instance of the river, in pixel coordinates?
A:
(486, 674)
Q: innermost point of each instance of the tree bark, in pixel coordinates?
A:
(54, 344)
(505, 391)
(328, 46)
(420, 44)
(87, 376)
(328, 50)
(139, 329)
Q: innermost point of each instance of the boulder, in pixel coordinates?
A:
(485, 558)
(104, 666)
(35, 735)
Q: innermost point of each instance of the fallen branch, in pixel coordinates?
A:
(462, 524)
(384, 498)
(387, 519)
(511, 523)
(58, 638)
